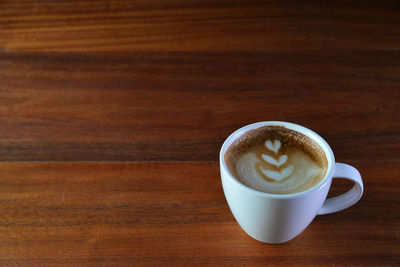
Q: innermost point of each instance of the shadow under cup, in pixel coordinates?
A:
(274, 218)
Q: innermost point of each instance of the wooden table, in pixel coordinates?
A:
(112, 114)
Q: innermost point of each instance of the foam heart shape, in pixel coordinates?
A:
(276, 175)
(282, 160)
(273, 147)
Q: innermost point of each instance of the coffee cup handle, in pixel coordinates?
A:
(343, 201)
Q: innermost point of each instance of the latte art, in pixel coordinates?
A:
(275, 174)
(276, 160)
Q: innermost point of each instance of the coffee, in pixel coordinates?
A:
(276, 160)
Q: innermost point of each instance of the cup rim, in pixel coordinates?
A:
(292, 126)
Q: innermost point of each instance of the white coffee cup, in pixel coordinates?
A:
(276, 218)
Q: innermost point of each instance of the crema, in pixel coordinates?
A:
(276, 160)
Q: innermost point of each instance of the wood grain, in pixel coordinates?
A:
(198, 25)
(97, 213)
(181, 106)
(112, 114)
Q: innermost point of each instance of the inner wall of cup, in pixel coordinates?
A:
(311, 134)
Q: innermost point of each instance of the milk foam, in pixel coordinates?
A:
(274, 172)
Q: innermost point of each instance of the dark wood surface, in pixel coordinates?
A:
(112, 114)
(92, 213)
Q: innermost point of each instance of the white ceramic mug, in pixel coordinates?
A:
(275, 218)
